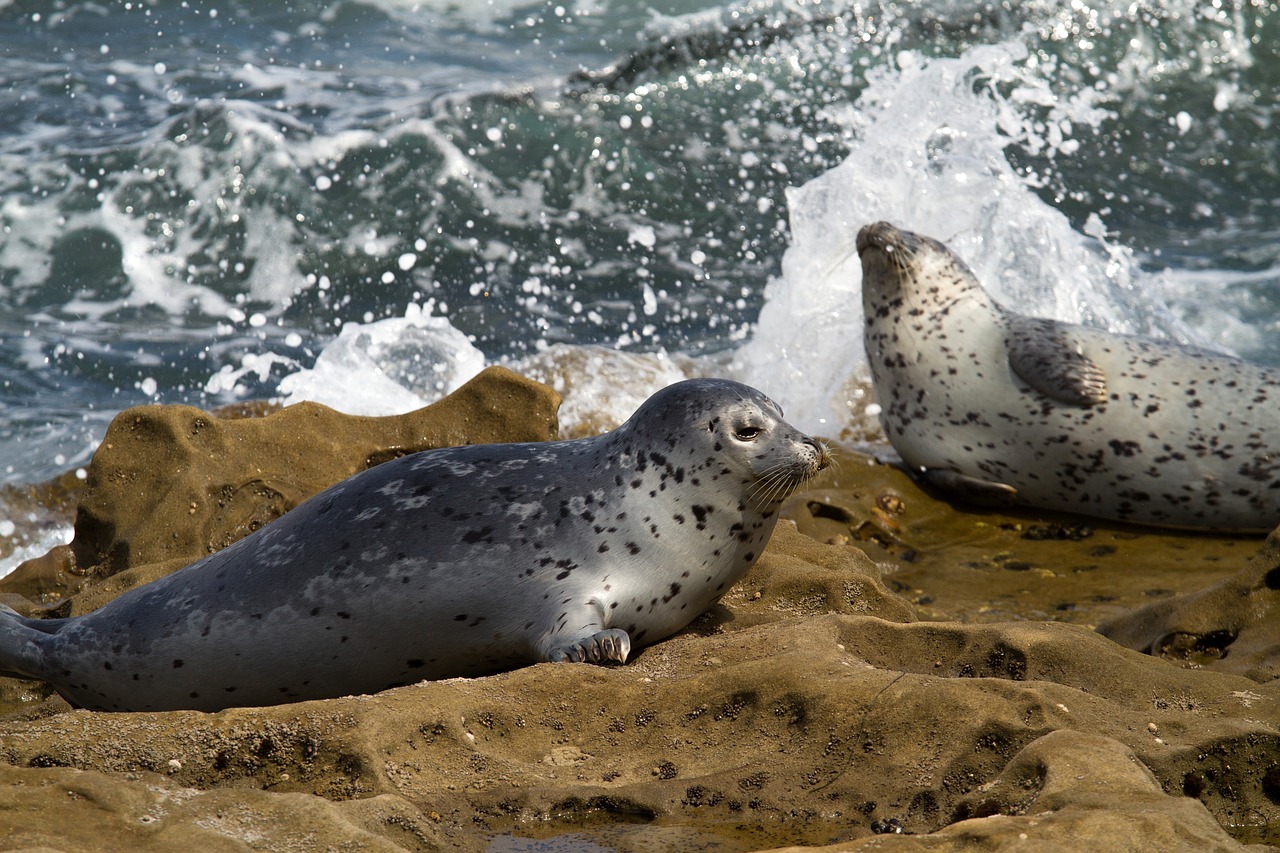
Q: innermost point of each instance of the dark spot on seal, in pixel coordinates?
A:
(484, 534)
(633, 548)
(315, 611)
(461, 617)
(415, 663)
(604, 546)
(177, 664)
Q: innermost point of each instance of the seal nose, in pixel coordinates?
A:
(864, 238)
(875, 234)
(821, 458)
(881, 235)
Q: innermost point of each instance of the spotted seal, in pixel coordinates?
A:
(453, 562)
(996, 407)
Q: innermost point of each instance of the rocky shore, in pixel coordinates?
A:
(973, 679)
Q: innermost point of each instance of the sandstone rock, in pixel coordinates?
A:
(1230, 626)
(806, 707)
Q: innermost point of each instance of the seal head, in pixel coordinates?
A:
(454, 562)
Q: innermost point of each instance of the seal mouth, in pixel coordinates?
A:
(781, 480)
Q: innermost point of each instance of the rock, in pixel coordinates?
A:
(954, 562)
(808, 706)
(1059, 792)
(141, 811)
(792, 730)
(1230, 626)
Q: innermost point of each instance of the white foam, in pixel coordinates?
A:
(927, 152)
(601, 387)
(387, 367)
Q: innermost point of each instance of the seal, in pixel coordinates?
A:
(454, 562)
(996, 407)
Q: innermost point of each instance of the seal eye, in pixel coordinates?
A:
(747, 432)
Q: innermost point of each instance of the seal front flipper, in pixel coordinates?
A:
(611, 644)
(970, 489)
(1043, 355)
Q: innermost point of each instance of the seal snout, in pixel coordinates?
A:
(821, 458)
(879, 235)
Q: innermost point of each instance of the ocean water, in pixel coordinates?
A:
(364, 203)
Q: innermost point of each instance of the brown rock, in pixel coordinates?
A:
(1230, 626)
(806, 706)
(797, 730)
(1067, 791)
(145, 811)
(969, 564)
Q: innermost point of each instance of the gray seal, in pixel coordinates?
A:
(997, 408)
(454, 562)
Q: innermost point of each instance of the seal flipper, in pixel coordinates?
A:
(21, 652)
(970, 489)
(1046, 358)
(611, 644)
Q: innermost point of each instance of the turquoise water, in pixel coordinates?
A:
(197, 197)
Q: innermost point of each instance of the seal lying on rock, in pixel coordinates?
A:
(452, 562)
(996, 407)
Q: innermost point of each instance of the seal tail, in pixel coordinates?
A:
(22, 649)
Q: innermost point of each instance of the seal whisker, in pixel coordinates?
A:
(839, 261)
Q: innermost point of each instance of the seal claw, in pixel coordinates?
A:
(611, 645)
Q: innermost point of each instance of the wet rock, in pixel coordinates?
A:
(1230, 626)
(810, 705)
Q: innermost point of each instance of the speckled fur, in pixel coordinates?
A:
(454, 562)
(1060, 416)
